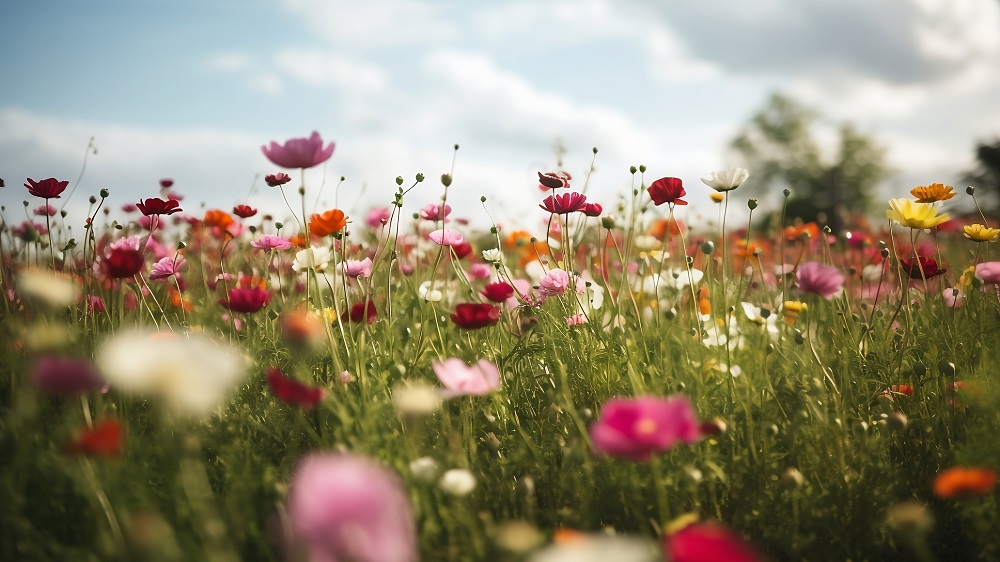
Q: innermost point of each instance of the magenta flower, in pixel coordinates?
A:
(989, 272)
(61, 375)
(564, 203)
(270, 242)
(435, 212)
(166, 267)
(464, 380)
(814, 277)
(637, 428)
(50, 188)
(276, 180)
(707, 542)
(246, 299)
(299, 153)
(45, 210)
(358, 268)
(446, 237)
(553, 283)
(346, 507)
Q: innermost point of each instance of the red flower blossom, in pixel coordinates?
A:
(274, 180)
(157, 206)
(564, 203)
(593, 209)
(667, 190)
(553, 180)
(166, 183)
(104, 440)
(122, 263)
(299, 153)
(462, 249)
(244, 211)
(293, 392)
(472, 315)
(361, 311)
(498, 292)
(246, 299)
(913, 267)
(50, 188)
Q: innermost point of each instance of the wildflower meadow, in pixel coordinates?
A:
(398, 383)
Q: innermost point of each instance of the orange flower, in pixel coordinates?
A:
(932, 193)
(299, 240)
(964, 482)
(175, 299)
(251, 282)
(520, 243)
(717, 196)
(809, 230)
(662, 226)
(704, 305)
(217, 217)
(327, 223)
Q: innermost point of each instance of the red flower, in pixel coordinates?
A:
(244, 211)
(708, 542)
(104, 440)
(361, 311)
(593, 209)
(293, 392)
(122, 263)
(553, 180)
(472, 315)
(667, 190)
(498, 292)
(462, 249)
(50, 188)
(564, 203)
(929, 266)
(964, 482)
(157, 206)
(299, 153)
(274, 180)
(166, 183)
(247, 300)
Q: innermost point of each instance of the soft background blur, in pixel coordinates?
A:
(191, 89)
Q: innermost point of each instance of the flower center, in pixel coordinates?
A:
(645, 426)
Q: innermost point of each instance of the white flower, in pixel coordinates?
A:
(425, 469)
(416, 399)
(726, 180)
(458, 482)
(716, 334)
(494, 255)
(47, 286)
(314, 257)
(427, 292)
(190, 372)
(757, 316)
(872, 272)
(600, 548)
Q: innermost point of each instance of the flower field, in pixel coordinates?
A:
(398, 384)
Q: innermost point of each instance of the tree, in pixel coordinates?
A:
(779, 148)
(986, 176)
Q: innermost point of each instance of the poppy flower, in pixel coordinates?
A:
(63, 375)
(435, 212)
(244, 211)
(314, 257)
(104, 440)
(964, 482)
(50, 188)
(123, 262)
(498, 292)
(361, 311)
(921, 267)
(553, 283)
(246, 299)
(915, 215)
(814, 277)
(157, 206)
(667, 190)
(462, 249)
(707, 542)
(275, 180)
(472, 316)
(293, 392)
(327, 223)
(217, 218)
(726, 180)
(564, 203)
(446, 237)
(357, 268)
(299, 152)
(637, 428)
(553, 180)
(166, 183)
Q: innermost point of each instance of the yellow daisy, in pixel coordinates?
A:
(915, 215)
(981, 233)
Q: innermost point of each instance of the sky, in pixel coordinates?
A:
(191, 89)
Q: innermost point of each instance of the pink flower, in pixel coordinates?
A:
(564, 203)
(480, 271)
(358, 268)
(953, 297)
(347, 507)
(814, 277)
(95, 304)
(166, 267)
(707, 542)
(637, 428)
(45, 210)
(270, 242)
(989, 272)
(61, 375)
(553, 283)
(299, 153)
(446, 237)
(553, 180)
(435, 212)
(276, 180)
(592, 209)
(576, 319)
(464, 380)
(379, 216)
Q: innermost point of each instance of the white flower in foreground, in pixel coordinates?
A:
(494, 255)
(45, 285)
(600, 548)
(726, 180)
(458, 482)
(191, 373)
(314, 257)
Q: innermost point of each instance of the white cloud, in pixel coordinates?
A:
(376, 24)
(323, 68)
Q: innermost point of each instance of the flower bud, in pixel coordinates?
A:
(446, 180)
(399, 180)
(105, 193)
(420, 177)
(632, 169)
(752, 203)
(970, 190)
(707, 247)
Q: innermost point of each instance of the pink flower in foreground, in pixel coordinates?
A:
(435, 212)
(707, 542)
(358, 268)
(347, 507)
(464, 380)
(637, 428)
(814, 277)
(446, 237)
(299, 152)
(270, 242)
(989, 272)
(166, 267)
(553, 283)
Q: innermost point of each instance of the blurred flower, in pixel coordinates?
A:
(299, 152)
(667, 190)
(275, 180)
(473, 315)
(244, 211)
(50, 188)
(553, 283)
(435, 212)
(104, 440)
(463, 249)
(814, 277)
(921, 268)
(592, 209)
(981, 233)
(553, 180)
(989, 272)
(55, 289)
(270, 242)
(494, 255)
(498, 292)
(217, 218)
(415, 399)
(446, 237)
(574, 546)
(427, 292)
(157, 206)
(63, 375)
(301, 327)
(166, 183)
(123, 262)
(726, 180)
(361, 312)
(707, 542)
(717, 196)
(564, 203)
(457, 482)
(95, 304)
(357, 268)
(293, 392)
(45, 210)
(915, 215)
(462, 380)
(314, 257)
(347, 507)
(932, 193)
(637, 428)
(576, 319)
(327, 223)
(378, 216)
(953, 297)
(964, 482)
(167, 267)
(791, 310)
(246, 299)
(424, 469)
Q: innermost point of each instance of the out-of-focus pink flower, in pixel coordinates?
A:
(275, 180)
(638, 428)
(576, 319)
(553, 283)
(299, 152)
(95, 304)
(564, 203)
(246, 299)
(464, 380)
(270, 242)
(989, 272)
(953, 297)
(446, 237)
(346, 507)
(166, 267)
(62, 375)
(358, 268)
(814, 277)
(129, 207)
(45, 210)
(435, 212)
(707, 542)
(480, 271)
(377, 217)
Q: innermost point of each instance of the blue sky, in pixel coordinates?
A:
(191, 89)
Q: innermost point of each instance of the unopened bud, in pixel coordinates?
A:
(446, 180)
(399, 180)
(752, 203)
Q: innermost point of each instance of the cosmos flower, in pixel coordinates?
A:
(564, 203)
(357, 268)
(915, 215)
(63, 375)
(246, 299)
(299, 152)
(638, 428)
(726, 180)
(921, 267)
(463, 380)
(166, 267)
(361, 312)
(50, 188)
(244, 211)
(435, 212)
(157, 206)
(446, 237)
(293, 392)
(667, 190)
(707, 541)
(275, 180)
(592, 209)
(932, 193)
(472, 316)
(814, 277)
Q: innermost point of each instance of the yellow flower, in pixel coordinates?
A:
(717, 196)
(932, 193)
(791, 310)
(915, 215)
(981, 233)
